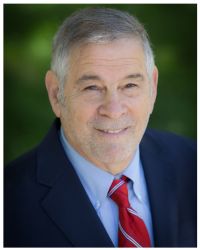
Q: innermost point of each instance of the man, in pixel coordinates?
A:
(100, 178)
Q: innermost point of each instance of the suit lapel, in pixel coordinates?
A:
(69, 207)
(67, 203)
(161, 184)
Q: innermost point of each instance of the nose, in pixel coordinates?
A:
(112, 107)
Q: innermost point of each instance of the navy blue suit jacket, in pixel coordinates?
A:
(45, 204)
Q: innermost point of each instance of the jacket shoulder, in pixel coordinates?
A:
(20, 167)
(170, 141)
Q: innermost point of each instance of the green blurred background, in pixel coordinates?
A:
(28, 32)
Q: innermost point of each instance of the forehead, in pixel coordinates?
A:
(118, 55)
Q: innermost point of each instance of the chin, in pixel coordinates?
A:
(113, 154)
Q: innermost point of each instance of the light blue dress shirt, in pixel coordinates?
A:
(97, 182)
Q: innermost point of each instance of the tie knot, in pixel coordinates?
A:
(118, 192)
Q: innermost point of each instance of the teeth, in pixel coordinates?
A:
(113, 131)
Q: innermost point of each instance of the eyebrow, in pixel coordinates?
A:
(86, 78)
(134, 76)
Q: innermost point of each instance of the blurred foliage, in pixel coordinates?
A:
(28, 32)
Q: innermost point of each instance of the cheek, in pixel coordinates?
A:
(140, 105)
(79, 113)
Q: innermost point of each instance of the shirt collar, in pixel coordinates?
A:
(95, 180)
(135, 173)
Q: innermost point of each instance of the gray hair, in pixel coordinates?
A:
(95, 25)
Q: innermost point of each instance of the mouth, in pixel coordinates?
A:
(112, 132)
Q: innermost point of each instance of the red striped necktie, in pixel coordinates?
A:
(132, 231)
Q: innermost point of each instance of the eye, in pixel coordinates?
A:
(130, 85)
(92, 87)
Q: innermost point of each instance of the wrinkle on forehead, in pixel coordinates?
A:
(118, 65)
(110, 62)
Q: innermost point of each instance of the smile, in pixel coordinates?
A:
(112, 132)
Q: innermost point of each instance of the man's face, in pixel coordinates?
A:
(108, 100)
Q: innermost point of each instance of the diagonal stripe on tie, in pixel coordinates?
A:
(128, 237)
(115, 187)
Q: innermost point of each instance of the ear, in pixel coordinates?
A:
(52, 86)
(154, 86)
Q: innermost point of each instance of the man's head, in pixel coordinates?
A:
(103, 84)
